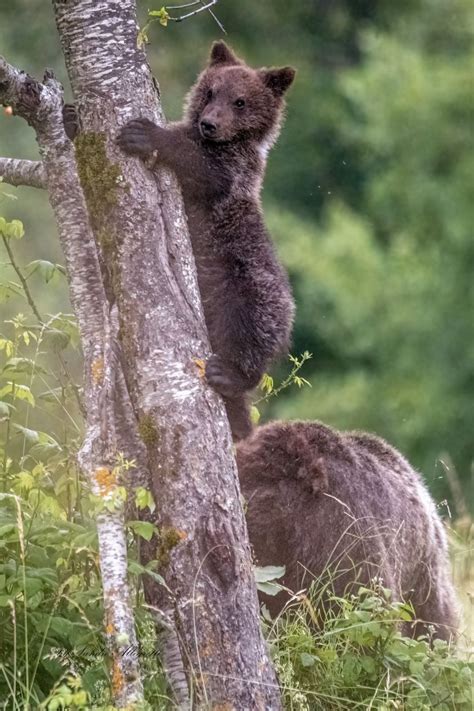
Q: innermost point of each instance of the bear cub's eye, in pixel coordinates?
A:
(240, 103)
(209, 95)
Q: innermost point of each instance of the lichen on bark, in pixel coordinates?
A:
(169, 538)
(148, 430)
(100, 178)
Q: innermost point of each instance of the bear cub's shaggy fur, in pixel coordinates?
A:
(320, 500)
(218, 153)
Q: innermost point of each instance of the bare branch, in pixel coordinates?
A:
(26, 96)
(201, 8)
(216, 19)
(16, 171)
(164, 17)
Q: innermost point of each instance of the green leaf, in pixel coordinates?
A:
(45, 269)
(86, 540)
(138, 569)
(307, 660)
(66, 323)
(145, 529)
(269, 588)
(254, 415)
(19, 392)
(162, 15)
(35, 437)
(266, 384)
(156, 577)
(56, 339)
(406, 613)
(45, 449)
(13, 229)
(268, 573)
(31, 436)
(5, 410)
(8, 346)
(7, 528)
(31, 586)
(15, 366)
(144, 499)
(368, 664)
(9, 289)
(25, 480)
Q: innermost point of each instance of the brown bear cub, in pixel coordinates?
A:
(218, 153)
(348, 503)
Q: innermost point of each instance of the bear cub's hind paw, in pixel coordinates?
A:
(221, 378)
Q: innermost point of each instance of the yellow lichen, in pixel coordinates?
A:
(201, 364)
(97, 371)
(170, 537)
(117, 678)
(106, 479)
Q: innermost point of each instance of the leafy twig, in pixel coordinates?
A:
(163, 17)
(22, 279)
(266, 384)
(34, 308)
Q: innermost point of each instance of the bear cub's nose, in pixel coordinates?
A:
(208, 128)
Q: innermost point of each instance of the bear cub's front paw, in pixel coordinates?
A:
(138, 137)
(223, 380)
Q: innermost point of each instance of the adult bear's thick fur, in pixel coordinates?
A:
(318, 498)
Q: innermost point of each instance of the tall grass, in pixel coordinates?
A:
(351, 654)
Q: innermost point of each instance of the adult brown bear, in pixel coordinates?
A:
(321, 500)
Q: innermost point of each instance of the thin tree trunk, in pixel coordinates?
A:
(40, 105)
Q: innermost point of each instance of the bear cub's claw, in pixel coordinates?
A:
(138, 137)
(221, 379)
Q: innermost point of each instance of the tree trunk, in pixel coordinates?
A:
(138, 220)
(40, 105)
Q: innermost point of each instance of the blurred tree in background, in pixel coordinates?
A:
(367, 195)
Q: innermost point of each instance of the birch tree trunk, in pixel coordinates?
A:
(40, 105)
(138, 222)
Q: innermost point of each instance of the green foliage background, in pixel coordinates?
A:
(368, 195)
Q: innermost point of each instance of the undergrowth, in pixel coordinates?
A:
(357, 658)
(52, 653)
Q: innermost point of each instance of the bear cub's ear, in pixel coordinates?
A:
(222, 54)
(278, 80)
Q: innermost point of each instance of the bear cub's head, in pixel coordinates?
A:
(233, 102)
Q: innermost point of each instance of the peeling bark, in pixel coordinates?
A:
(203, 549)
(40, 104)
